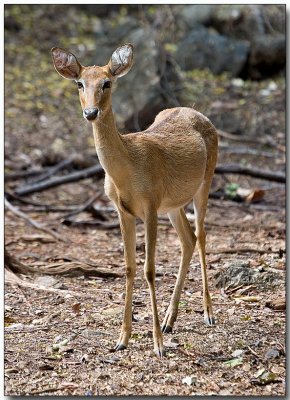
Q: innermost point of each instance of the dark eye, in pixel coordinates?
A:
(80, 85)
(107, 85)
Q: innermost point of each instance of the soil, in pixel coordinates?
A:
(59, 334)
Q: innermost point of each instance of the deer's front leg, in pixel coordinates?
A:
(127, 223)
(149, 270)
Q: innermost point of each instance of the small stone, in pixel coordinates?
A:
(237, 353)
(272, 353)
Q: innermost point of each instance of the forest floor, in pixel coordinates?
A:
(60, 330)
(59, 336)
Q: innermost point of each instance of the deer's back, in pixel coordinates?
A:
(171, 158)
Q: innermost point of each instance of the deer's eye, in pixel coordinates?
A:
(107, 85)
(80, 85)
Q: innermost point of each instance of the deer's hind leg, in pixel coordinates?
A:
(187, 242)
(200, 205)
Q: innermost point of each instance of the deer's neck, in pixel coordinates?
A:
(110, 147)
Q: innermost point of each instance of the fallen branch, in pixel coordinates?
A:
(22, 174)
(96, 171)
(243, 250)
(87, 206)
(96, 223)
(32, 222)
(254, 172)
(52, 170)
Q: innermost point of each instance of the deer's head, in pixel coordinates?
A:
(94, 83)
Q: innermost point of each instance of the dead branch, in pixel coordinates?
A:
(52, 170)
(254, 172)
(268, 140)
(32, 222)
(75, 266)
(22, 174)
(96, 223)
(243, 250)
(96, 171)
(12, 264)
(87, 206)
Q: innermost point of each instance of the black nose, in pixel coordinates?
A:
(90, 113)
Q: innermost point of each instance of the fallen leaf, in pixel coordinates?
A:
(76, 308)
(189, 380)
(234, 362)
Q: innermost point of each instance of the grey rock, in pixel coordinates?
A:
(240, 273)
(193, 14)
(205, 48)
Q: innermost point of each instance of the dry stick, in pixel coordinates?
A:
(22, 174)
(84, 207)
(52, 170)
(268, 141)
(254, 172)
(242, 250)
(34, 223)
(95, 170)
(39, 206)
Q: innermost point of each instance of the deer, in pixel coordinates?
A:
(155, 171)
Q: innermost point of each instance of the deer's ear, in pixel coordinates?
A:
(121, 60)
(65, 63)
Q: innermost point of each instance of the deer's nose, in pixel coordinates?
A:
(90, 113)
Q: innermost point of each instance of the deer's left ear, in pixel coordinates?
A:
(121, 60)
(65, 63)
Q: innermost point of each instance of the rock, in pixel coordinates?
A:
(267, 56)
(45, 281)
(240, 273)
(205, 48)
(239, 21)
(193, 14)
(272, 353)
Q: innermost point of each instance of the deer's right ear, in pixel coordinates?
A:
(65, 63)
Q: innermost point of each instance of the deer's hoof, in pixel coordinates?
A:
(160, 352)
(210, 321)
(120, 346)
(167, 329)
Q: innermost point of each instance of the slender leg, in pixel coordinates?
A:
(127, 223)
(149, 270)
(200, 204)
(187, 242)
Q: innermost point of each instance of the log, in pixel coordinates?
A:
(95, 170)
(254, 172)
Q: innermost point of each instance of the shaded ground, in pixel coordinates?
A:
(85, 313)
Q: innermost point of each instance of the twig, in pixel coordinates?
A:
(242, 250)
(96, 171)
(253, 352)
(32, 222)
(96, 223)
(254, 172)
(52, 170)
(87, 206)
(22, 174)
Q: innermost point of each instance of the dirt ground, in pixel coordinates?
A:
(59, 334)
(61, 342)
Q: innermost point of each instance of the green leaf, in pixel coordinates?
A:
(234, 362)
